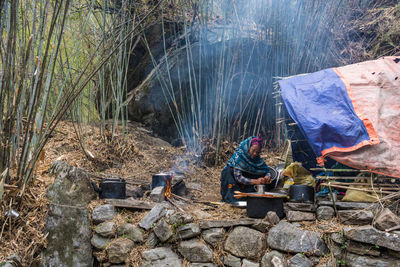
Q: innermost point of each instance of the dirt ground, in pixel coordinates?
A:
(135, 156)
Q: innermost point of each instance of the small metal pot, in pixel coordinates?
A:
(160, 179)
(111, 188)
(301, 193)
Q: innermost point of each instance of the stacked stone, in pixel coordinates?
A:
(172, 237)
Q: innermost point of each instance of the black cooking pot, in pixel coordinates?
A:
(160, 179)
(301, 193)
(111, 188)
(258, 207)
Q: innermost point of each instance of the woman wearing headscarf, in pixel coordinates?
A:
(244, 170)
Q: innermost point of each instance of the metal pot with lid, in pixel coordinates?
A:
(111, 188)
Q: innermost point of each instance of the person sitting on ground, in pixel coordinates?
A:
(244, 170)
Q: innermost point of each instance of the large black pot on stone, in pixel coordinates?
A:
(258, 207)
(301, 193)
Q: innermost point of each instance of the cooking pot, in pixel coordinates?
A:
(258, 207)
(111, 188)
(160, 179)
(301, 193)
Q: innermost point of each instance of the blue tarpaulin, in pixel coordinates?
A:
(320, 105)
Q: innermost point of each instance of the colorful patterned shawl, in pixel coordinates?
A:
(241, 160)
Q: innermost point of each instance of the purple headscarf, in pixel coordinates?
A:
(257, 141)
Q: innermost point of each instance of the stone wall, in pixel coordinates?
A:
(173, 238)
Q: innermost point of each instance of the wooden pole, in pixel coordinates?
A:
(354, 188)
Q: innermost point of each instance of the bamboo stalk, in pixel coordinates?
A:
(351, 178)
(354, 188)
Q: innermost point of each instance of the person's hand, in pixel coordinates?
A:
(258, 181)
(267, 179)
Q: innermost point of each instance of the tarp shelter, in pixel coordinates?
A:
(350, 114)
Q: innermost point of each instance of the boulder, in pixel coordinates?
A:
(188, 231)
(103, 213)
(356, 217)
(245, 243)
(298, 216)
(386, 219)
(105, 229)
(325, 213)
(99, 242)
(213, 236)
(153, 216)
(273, 259)
(160, 257)
(370, 235)
(163, 231)
(288, 238)
(195, 251)
(119, 249)
(232, 261)
(247, 263)
(354, 260)
(131, 232)
(68, 226)
(272, 217)
(299, 260)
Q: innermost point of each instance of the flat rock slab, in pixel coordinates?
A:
(195, 251)
(300, 206)
(356, 217)
(288, 238)
(362, 249)
(353, 260)
(342, 205)
(370, 235)
(153, 216)
(158, 194)
(188, 231)
(206, 224)
(160, 257)
(298, 216)
(245, 242)
(131, 203)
